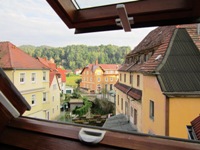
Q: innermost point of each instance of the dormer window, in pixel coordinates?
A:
(146, 57)
(130, 60)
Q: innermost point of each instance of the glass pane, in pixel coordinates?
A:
(81, 4)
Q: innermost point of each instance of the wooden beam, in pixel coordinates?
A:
(63, 135)
(65, 10)
(133, 8)
(145, 12)
(12, 94)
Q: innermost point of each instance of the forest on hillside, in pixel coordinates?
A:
(79, 56)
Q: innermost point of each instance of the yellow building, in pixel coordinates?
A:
(97, 77)
(158, 89)
(55, 84)
(30, 77)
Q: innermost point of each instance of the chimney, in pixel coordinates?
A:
(96, 62)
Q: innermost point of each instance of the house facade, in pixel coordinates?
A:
(77, 71)
(97, 77)
(158, 87)
(55, 85)
(29, 76)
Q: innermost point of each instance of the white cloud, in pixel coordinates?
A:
(34, 22)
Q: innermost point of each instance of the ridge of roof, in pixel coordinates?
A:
(104, 67)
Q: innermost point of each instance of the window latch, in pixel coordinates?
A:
(91, 136)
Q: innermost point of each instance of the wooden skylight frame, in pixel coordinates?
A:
(146, 13)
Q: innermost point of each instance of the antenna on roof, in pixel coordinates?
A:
(198, 29)
(158, 57)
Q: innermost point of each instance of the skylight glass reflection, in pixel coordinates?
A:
(81, 4)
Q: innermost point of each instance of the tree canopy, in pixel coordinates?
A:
(79, 56)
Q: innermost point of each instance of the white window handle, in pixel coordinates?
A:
(91, 136)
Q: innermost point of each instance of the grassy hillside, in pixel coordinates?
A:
(71, 80)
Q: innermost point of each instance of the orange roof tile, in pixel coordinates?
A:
(63, 74)
(109, 66)
(52, 67)
(12, 57)
(104, 67)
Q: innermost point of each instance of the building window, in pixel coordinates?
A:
(54, 86)
(131, 111)
(111, 79)
(106, 87)
(126, 108)
(33, 77)
(138, 80)
(53, 110)
(120, 77)
(98, 73)
(99, 79)
(135, 117)
(124, 77)
(131, 78)
(118, 100)
(106, 79)
(151, 109)
(44, 97)
(99, 88)
(44, 76)
(53, 98)
(91, 79)
(33, 100)
(111, 86)
(122, 104)
(22, 77)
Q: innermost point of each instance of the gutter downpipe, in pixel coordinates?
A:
(128, 111)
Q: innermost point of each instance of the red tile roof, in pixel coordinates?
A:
(12, 57)
(51, 66)
(157, 40)
(130, 91)
(52, 74)
(104, 67)
(63, 74)
(196, 126)
(109, 66)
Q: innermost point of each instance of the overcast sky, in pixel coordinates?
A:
(34, 22)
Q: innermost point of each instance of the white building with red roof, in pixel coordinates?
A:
(31, 78)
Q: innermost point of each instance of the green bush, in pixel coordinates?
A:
(84, 109)
(103, 107)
